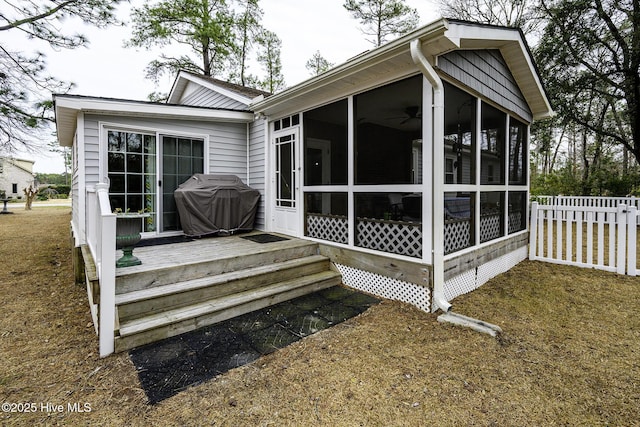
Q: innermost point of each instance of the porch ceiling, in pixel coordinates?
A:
(393, 60)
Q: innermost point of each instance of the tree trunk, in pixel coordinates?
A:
(30, 194)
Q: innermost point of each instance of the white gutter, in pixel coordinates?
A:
(439, 299)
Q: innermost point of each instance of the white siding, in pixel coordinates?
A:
(197, 95)
(227, 141)
(257, 167)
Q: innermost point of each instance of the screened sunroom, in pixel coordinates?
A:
(409, 163)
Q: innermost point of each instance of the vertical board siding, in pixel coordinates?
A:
(257, 167)
(197, 95)
(486, 72)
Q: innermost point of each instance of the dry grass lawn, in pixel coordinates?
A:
(570, 355)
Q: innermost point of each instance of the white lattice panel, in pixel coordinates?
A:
(460, 284)
(473, 279)
(328, 227)
(393, 237)
(457, 235)
(515, 222)
(386, 287)
(490, 227)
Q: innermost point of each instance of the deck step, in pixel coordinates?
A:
(161, 298)
(155, 327)
(160, 269)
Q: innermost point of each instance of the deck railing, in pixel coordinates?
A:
(101, 239)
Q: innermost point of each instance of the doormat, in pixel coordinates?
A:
(169, 366)
(164, 240)
(265, 238)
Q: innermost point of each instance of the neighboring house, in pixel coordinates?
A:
(15, 176)
(408, 164)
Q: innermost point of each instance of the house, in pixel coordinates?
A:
(15, 175)
(406, 166)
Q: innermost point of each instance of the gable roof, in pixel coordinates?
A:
(234, 91)
(394, 60)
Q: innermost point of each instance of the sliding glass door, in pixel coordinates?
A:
(181, 158)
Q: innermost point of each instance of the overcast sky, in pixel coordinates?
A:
(107, 69)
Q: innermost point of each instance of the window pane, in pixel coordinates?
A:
(115, 162)
(134, 163)
(116, 182)
(491, 215)
(149, 144)
(134, 143)
(285, 171)
(134, 183)
(492, 140)
(388, 122)
(325, 130)
(184, 147)
(517, 152)
(116, 141)
(459, 130)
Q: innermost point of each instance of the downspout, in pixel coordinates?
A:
(248, 131)
(439, 299)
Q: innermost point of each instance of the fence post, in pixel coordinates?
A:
(631, 240)
(621, 219)
(533, 233)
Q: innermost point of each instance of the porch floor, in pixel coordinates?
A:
(192, 251)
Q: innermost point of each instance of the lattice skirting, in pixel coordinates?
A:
(473, 279)
(386, 287)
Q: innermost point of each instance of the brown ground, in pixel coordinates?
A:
(570, 355)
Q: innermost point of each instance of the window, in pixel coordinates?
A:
(517, 211)
(286, 122)
(326, 216)
(388, 120)
(14, 188)
(132, 173)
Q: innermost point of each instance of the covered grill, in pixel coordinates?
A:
(210, 204)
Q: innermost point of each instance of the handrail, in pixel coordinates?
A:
(101, 239)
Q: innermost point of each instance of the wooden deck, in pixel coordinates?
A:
(182, 286)
(205, 249)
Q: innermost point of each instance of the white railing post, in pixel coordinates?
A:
(622, 233)
(106, 270)
(533, 233)
(632, 212)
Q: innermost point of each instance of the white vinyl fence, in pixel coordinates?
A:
(587, 233)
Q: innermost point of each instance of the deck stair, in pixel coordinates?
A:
(158, 300)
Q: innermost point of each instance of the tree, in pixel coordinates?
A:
(269, 58)
(248, 31)
(25, 86)
(383, 18)
(523, 14)
(590, 50)
(205, 27)
(318, 64)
